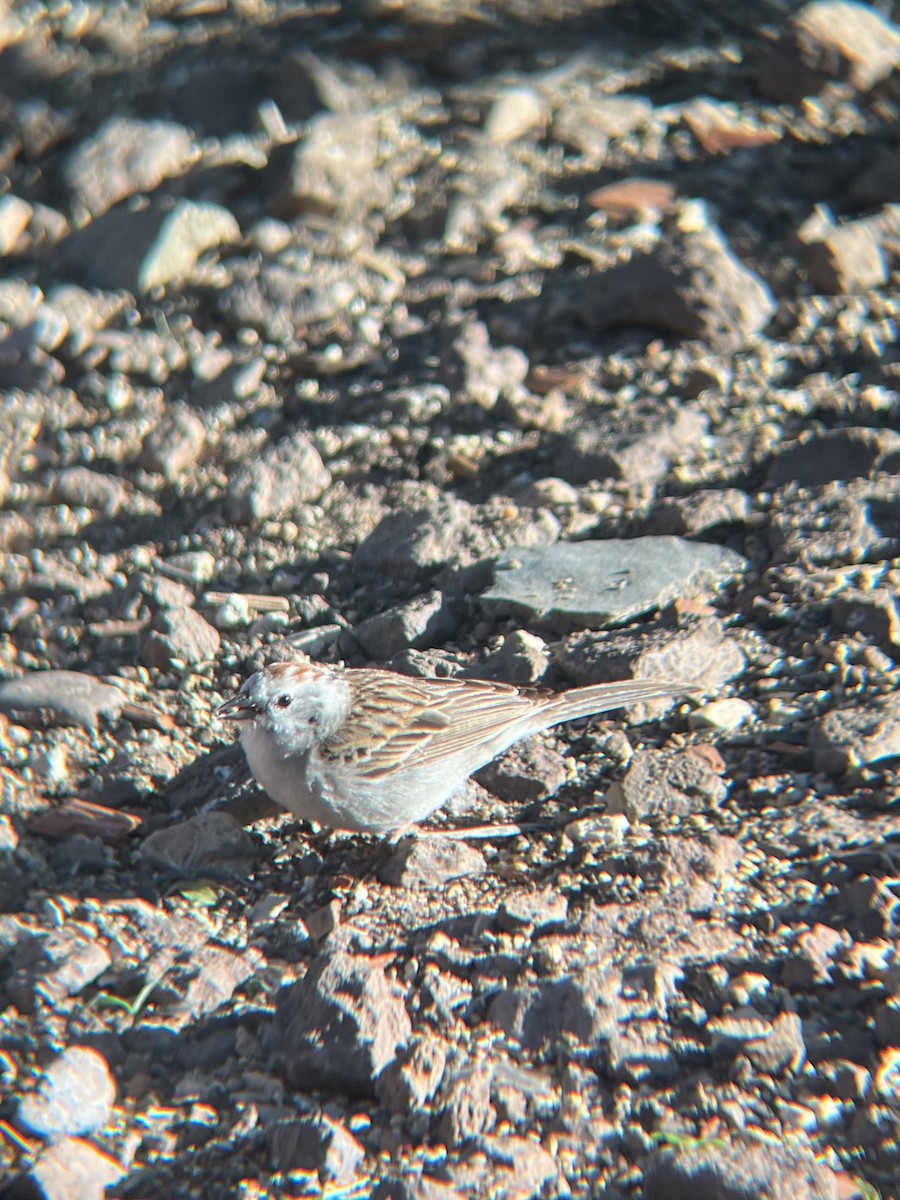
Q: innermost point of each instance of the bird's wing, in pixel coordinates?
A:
(431, 720)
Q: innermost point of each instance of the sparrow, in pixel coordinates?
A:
(371, 751)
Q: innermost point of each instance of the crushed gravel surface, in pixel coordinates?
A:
(531, 340)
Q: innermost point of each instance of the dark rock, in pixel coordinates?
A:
(841, 523)
(666, 783)
(315, 1143)
(414, 1078)
(847, 738)
(637, 448)
(837, 454)
(692, 284)
(700, 651)
(208, 840)
(413, 543)
(178, 637)
(536, 1016)
(596, 585)
(738, 1170)
(527, 772)
(521, 659)
(525, 909)
(341, 1025)
(638, 1053)
(60, 697)
(874, 613)
(425, 621)
(75, 1096)
(699, 512)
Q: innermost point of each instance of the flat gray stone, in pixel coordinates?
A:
(598, 585)
(63, 697)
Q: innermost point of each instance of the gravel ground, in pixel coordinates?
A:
(540, 341)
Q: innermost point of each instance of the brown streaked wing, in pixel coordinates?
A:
(432, 719)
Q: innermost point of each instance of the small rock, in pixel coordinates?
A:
(514, 1168)
(587, 128)
(529, 771)
(595, 585)
(514, 113)
(466, 1111)
(91, 489)
(175, 444)
(662, 782)
(341, 1025)
(142, 248)
(849, 259)
(124, 157)
(209, 840)
(72, 958)
(636, 199)
(489, 374)
(279, 481)
(723, 715)
(838, 454)
(527, 909)
(75, 1096)
(413, 1079)
(848, 738)
(700, 651)
(15, 215)
(639, 1054)
(60, 697)
(636, 448)
(427, 620)
(692, 285)
(874, 614)
(408, 544)
(548, 493)
(829, 40)
(178, 637)
(334, 169)
(315, 1143)
(737, 1170)
(782, 1049)
(521, 659)
(700, 512)
(72, 1169)
(160, 592)
(430, 861)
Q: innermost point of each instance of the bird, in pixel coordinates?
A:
(371, 751)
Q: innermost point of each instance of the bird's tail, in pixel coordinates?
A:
(600, 697)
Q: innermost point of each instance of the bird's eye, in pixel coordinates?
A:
(283, 701)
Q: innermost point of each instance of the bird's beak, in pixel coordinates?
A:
(237, 708)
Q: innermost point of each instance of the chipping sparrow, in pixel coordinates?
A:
(374, 751)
